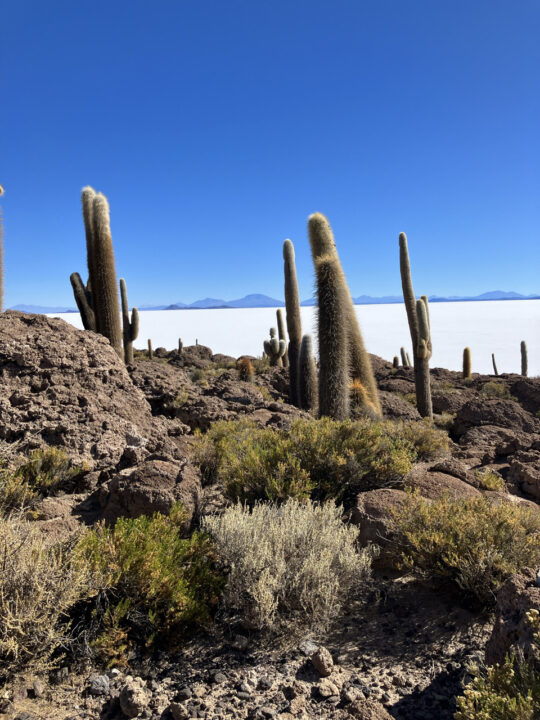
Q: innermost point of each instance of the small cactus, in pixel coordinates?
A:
(467, 364)
(246, 372)
(282, 335)
(494, 364)
(524, 359)
(294, 320)
(275, 348)
(130, 328)
(420, 329)
(404, 358)
(180, 346)
(395, 363)
(307, 375)
(150, 349)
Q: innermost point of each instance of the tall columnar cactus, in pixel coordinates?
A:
(98, 300)
(420, 329)
(524, 359)
(494, 364)
(467, 364)
(307, 376)
(150, 349)
(294, 321)
(334, 373)
(130, 328)
(395, 363)
(275, 348)
(1, 256)
(282, 335)
(322, 243)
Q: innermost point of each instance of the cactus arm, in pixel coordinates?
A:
(408, 290)
(82, 298)
(294, 321)
(282, 335)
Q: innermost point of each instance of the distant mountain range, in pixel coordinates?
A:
(260, 301)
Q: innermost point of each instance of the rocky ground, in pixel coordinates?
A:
(402, 651)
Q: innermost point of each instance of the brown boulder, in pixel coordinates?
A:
(373, 514)
(151, 487)
(395, 407)
(497, 412)
(68, 388)
(527, 391)
(434, 485)
(525, 472)
(512, 632)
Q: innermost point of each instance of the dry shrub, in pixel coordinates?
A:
(39, 583)
(489, 480)
(473, 542)
(290, 566)
(322, 459)
(42, 474)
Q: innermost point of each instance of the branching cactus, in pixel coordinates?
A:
(275, 348)
(420, 329)
(282, 335)
(294, 320)
(130, 328)
(467, 364)
(98, 301)
(524, 359)
(334, 372)
(307, 376)
(322, 243)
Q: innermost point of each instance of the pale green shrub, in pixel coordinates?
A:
(290, 566)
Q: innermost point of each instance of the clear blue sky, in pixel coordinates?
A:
(215, 127)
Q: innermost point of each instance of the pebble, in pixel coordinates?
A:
(322, 661)
(98, 685)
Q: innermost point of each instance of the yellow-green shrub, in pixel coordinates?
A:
(473, 542)
(163, 582)
(313, 458)
(39, 584)
(45, 472)
(510, 691)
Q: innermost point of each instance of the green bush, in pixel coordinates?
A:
(44, 473)
(291, 566)
(496, 390)
(510, 691)
(158, 583)
(320, 459)
(473, 542)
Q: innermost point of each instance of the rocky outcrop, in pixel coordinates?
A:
(525, 472)
(495, 412)
(512, 633)
(373, 514)
(68, 388)
(433, 484)
(151, 487)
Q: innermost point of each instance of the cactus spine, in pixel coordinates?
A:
(419, 326)
(333, 339)
(294, 321)
(150, 349)
(307, 375)
(274, 348)
(467, 364)
(524, 359)
(494, 364)
(282, 335)
(322, 243)
(130, 328)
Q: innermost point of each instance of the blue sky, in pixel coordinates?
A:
(215, 128)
